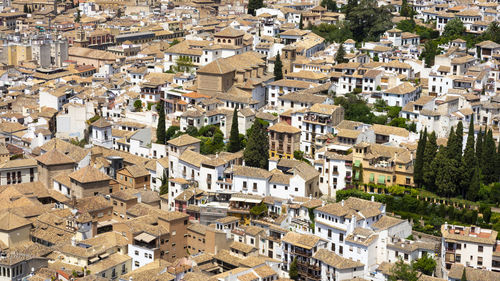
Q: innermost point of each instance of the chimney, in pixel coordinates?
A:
(342, 203)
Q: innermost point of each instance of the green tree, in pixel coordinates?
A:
(454, 28)
(418, 175)
(254, 5)
(25, 8)
(497, 163)
(479, 147)
(401, 271)
(376, 58)
(333, 32)
(489, 159)
(256, 153)
(259, 209)
(160, 128)
(367, 21)
(380, 105)
(340, 56)
(192, 131)
(393, 112)
(278, 68)
(469, 161)
(406, 10)
(398, 122)
(330, 5)
(78, 16)
(426, 264)
(459, 139)
(234, 137)
(492, 32)
(293, 272)
(428, 172)
(464, 276)
(164, 184)
(301, 24)
(429, 53)
(171, 131)
(138, 105)
(446, 171)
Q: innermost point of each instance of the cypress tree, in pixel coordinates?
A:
(451, 143)
(234, 138)
(445, 173)
(419, 161)
(459, 140)
(489, 157)
(25, 8)
(161, 135)
(254, 5)
(340, 56)
(293, 273)
(474, 184)
(429, 155)
(469, 161)
(464, 276)
(479, 148)
(256, 153)
(497, 164)
(301, 24)
(278, 68)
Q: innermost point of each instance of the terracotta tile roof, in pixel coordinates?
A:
(10, 221)
(283, 127)
(306, 241)
(335, 260)
(54, 157)
(89, 174)
(183, 140)
(101, 123)
(136, 171)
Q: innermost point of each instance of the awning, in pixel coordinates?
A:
(372, 177)
(357, 163)
(381, 179)
(145, 237)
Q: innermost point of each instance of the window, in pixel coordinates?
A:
(480, 249)
(341, 237)
(136, 263)
(136, 253)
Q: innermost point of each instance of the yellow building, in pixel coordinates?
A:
(18, 53)
(382, 165)
(284, 139)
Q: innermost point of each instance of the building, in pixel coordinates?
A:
(469, 246)
(133, 177)
(284, 140)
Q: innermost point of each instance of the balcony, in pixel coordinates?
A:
(318, 120)
(308, 265)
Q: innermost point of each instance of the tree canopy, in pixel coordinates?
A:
(278, 68)
(234, 144)
(256, 153)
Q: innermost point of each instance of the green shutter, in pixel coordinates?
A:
(357, 163)
(372, 177)
(381, 179)
(356, 177)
